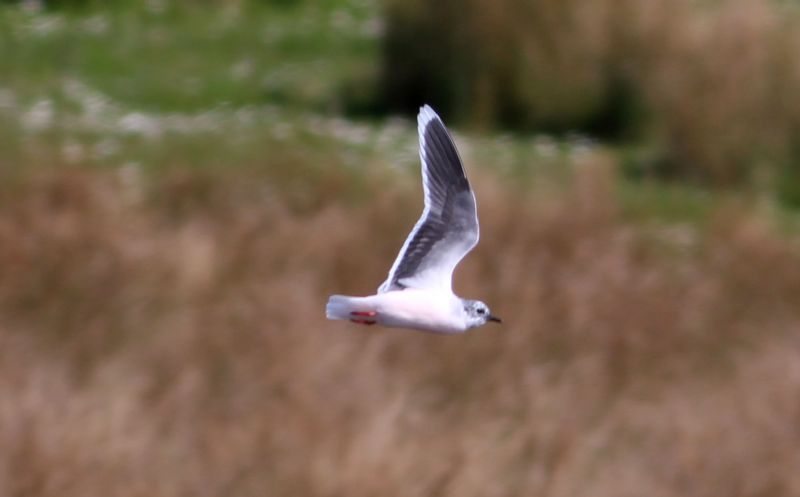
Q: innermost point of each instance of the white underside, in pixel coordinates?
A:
(426, 310)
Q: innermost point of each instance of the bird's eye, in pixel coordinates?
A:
(481, 311)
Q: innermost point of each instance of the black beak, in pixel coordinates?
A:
(494, 319)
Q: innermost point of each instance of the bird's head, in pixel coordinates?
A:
(477, 313)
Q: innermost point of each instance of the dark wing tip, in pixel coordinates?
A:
(439, 152)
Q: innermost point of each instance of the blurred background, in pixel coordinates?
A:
(183, 183)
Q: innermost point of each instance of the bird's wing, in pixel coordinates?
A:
(448, 227)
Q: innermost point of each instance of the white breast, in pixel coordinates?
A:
(420, 309)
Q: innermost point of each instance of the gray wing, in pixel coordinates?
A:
(448, 227)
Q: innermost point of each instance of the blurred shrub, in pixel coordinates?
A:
(531, 64)
(708, 86)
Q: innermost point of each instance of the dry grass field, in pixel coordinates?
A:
(166, 337)
(183, 184)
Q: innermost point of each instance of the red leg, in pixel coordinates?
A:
(368, 314)
(360, 321)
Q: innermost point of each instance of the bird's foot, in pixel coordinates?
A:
(368, 314)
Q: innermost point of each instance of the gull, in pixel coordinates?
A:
(418, 293)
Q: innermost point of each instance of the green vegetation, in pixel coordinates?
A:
(163, 84)
(174, 58)
(708, 89)
(155, 86)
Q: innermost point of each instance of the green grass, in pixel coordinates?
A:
(180, 86)
(190, 59)
(674, 203)
(137, 88)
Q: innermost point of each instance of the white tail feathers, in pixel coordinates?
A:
(340, 306)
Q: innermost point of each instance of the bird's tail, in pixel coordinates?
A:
(340, 306)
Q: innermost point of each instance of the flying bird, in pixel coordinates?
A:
(418, 293)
